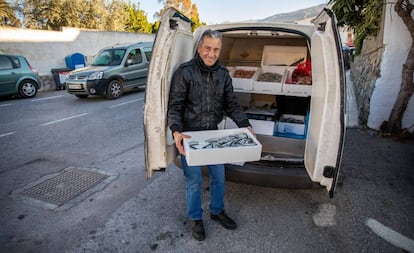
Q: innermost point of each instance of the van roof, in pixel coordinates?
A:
(126, 45)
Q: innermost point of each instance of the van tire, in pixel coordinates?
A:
(115, 89)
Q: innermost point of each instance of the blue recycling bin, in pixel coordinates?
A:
(75, 61)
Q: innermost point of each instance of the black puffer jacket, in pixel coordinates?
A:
(200, 96)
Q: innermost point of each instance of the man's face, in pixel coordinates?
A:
(209, 50)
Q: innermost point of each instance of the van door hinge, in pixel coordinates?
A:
(173, 24)
(322, 26)
(328, 171)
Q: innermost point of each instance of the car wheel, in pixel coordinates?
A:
(82, 96)
(28, 89)
(115, 89)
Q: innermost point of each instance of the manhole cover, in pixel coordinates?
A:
(65, 186)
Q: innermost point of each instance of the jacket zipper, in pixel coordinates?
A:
(208, 99)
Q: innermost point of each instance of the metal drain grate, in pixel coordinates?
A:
(60, 189)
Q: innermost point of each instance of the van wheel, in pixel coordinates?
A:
(115, 89)
(27, 89)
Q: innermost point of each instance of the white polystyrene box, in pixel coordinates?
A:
(242, 83)
(264, 127)
(198, 157)
(283, 55)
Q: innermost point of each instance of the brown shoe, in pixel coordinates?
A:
(197, 230)
(224, 220)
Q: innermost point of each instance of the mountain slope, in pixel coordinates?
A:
(295, 15)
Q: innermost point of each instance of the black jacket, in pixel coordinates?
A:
(200, 96)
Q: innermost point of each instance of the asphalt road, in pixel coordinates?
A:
(41, 137)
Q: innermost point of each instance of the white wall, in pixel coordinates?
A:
(46, 50)
(397, 42)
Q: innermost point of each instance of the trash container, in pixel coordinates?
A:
(59, 75)
(75, 61)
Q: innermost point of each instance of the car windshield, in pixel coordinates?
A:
(109, 57)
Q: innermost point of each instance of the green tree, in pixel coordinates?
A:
(363, 16)
(137, 20)
(187, 8)
(72, 13)
(117, 16)
(95, 15)
(39, 14)
(113, 15)
(7, 14)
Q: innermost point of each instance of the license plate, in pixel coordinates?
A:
(75, 86)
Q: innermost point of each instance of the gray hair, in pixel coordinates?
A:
(209, 34)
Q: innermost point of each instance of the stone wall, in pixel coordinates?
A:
(365, 70)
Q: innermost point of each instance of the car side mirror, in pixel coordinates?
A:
(128, 62)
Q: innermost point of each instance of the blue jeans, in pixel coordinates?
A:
(193, 189)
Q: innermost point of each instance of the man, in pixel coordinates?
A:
(201, 92)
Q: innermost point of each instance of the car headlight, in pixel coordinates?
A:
(96, 75)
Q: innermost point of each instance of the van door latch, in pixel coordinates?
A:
(328, 171)
(321, 26)
(173, 24)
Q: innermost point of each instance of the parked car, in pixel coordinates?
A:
(347, 53)
(115, 69)
(17, 76)
(298, 115)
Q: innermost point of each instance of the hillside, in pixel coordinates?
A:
(295, 15)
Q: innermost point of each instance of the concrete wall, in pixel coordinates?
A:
(376, 73)
(397, 42)
(47, 50)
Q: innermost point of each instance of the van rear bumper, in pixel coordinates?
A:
(262, 174)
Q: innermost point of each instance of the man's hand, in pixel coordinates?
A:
(178, 139)
(251, 130)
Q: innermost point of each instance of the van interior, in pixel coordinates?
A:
(271, 74)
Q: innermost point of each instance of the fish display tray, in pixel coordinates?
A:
(208, 156)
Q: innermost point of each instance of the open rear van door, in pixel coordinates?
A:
(326, 127)
(173, 45)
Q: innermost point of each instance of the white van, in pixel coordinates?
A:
(290, 80)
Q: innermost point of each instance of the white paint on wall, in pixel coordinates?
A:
(46, 50)
(397, 41)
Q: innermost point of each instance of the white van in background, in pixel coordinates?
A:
(290, 80)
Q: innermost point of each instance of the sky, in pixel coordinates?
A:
(219, 11)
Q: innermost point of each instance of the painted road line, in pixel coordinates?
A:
(7, 134)
(4, 105)
(46, 98)
(60, 120)
(128, 102)
(390, 235)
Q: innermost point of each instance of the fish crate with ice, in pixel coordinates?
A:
(221, 146)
